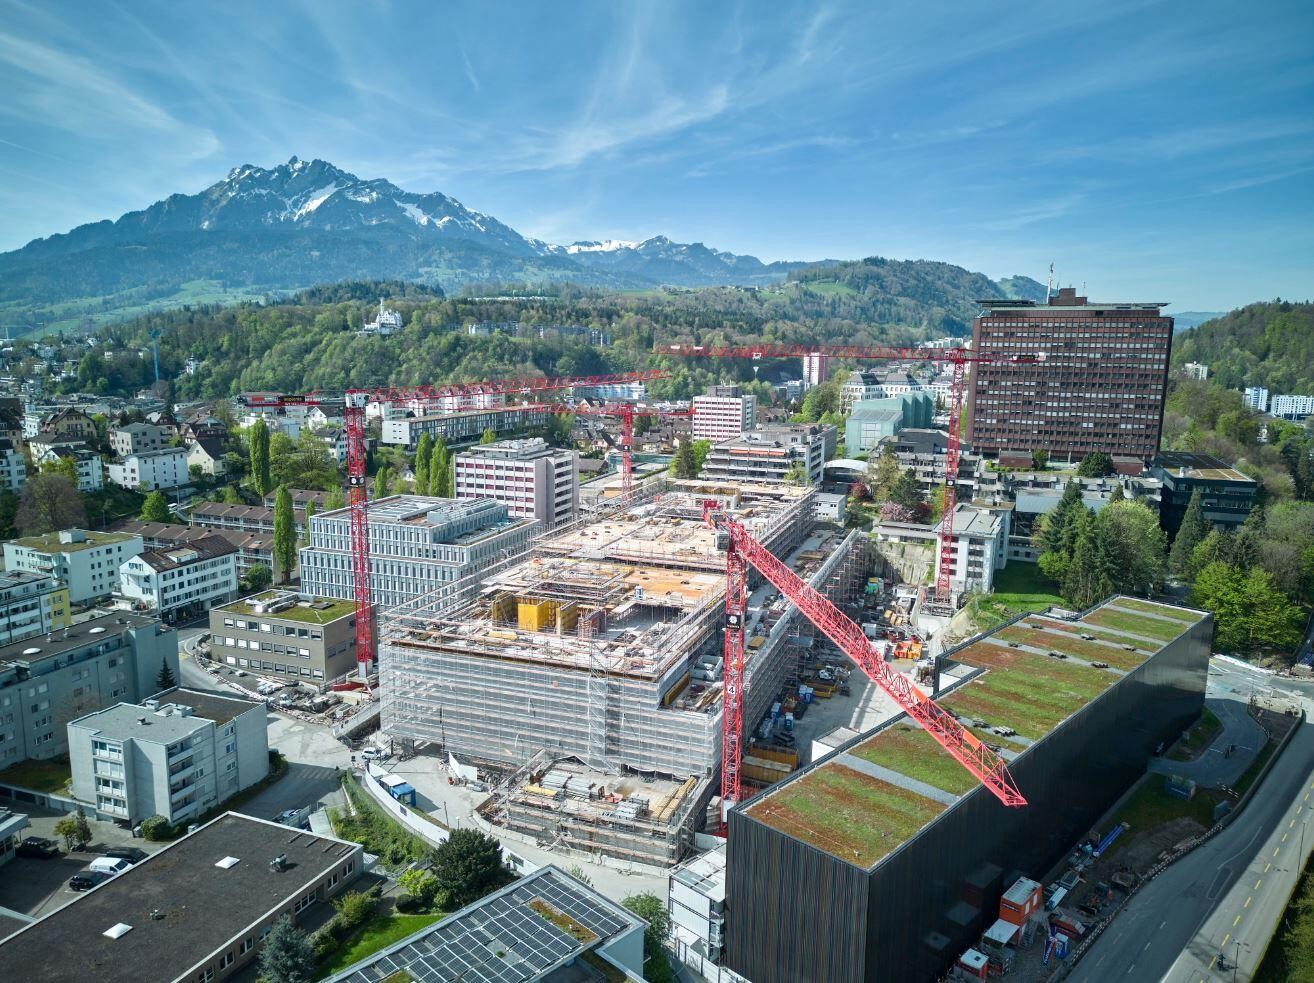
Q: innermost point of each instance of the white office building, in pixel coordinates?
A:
(1256, 397)
(532, 479)
(770, 454)
(87, 563)
(417, 545)
(176, 755)
(1292, 407)
(149, 470)
(815, 369)
(980, 548)
(723, 413)
(189, 576)
(1196, 370)
(13, 469)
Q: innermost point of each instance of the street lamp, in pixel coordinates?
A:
(1236, 960)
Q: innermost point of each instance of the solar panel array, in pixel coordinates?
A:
(503, 940)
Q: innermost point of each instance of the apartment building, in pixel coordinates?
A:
(243, 518)
(219, 891)
(177, 755)
(207, 453)
(46, 681)
(310, 640)
(925, 451)
(49, 449)
(816, 367)
(149, 470)
(1292, 407)
(980, 548)
(772, 454)
(31, 604)
(532, 479)
(1196, 370)
(252, 548)
(461, 426)
(1256, 397)
(137, 438)
(69, 424)
(87, 563)
(723, 413)
(182, 579)
(1100, 385)
(13, 469)
(417, 544)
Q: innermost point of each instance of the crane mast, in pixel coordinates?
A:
(743, 551)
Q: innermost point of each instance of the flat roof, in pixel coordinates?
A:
(220, 709)
(864, 801)
(1202, 467)
(522, 932)
(313, 610)
(38, 647)
(204, 906)
(49, 542)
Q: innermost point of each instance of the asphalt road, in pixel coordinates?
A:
(1158, 935)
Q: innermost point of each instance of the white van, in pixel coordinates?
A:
(109, 865)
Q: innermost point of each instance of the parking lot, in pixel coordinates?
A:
(37, 887)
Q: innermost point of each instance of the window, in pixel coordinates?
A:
(226, 960)
(246, 945)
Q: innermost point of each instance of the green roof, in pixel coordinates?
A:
(860, 818)
(301, 612)
(49, 542)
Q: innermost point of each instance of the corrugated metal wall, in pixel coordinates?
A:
(795, 913)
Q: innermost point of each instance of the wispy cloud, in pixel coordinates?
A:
(469, 68)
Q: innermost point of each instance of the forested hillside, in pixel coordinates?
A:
(1268, 344)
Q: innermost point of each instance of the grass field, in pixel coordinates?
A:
(1290, 954)
(1027, 634)
(913, 752)
(1150, 806)
(51, 776)
(1136, 624)
(1082, 628)
(1164, 610)
(848, 814)
(1019, 588)
(378, 933)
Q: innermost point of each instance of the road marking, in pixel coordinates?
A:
(1236, 923)
(1246, 905)
(1226, 937)
(1267, 868)
(1291, 825)
(1258, 882)
(1284, 837)
(1276, 849)
(1214, 960)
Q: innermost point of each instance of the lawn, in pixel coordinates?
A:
(1150, 806)
(51, 775)
(1136, 624)
(378, 933)
(848, 814)
(1082, 628)
(1290, 954)
(1252, 772)
(913, 752)
(1164, 610)
(1019, 588)
(1029, 634)
(319, 616)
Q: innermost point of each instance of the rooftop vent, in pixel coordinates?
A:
(117, 931)
(143, 721)
(279, 863)
(228, 862)
(98, 630)
(32, 651)
(157, 915)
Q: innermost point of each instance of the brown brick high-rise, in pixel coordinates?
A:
(1100, 386)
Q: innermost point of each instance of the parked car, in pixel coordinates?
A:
(38, 848)
(372, 753)
(85, 880)
(299, 818)
(109, 865)
(129, 853)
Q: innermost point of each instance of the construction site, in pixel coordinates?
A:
(588, 672)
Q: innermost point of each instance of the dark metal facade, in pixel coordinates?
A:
(796, 914)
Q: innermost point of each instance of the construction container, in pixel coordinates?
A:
(763, 769)
(973, 965)
(1021, 901)
(536, 615)
(782, 755)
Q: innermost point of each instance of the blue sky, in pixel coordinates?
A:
(1153, 151)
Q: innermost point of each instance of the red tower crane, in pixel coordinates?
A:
(353, 426)
(743, 551)
(956, 357)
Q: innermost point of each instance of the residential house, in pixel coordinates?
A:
(87, 563)
(182, 579)
(206, 453)
(149, 470)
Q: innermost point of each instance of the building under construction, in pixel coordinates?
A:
(593, 664)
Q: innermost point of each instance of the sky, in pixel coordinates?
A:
(1150, 151)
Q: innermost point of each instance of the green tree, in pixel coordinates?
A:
(1055, 533)
(682, 462)
(66, 466)
(652, 909)
(334, 500)
(1190, 534)
(423, 457)
(258, 577)
(701, 448)
(8, 513)
(288, 956)
(819, 401)
(797, 474)
(156, 508)
(1096, 464)
(383, 482)
(1136, 545)
(468, 865)
(936, 501)
(164, 678)
(487, 437)
(310, 514)
(232, 496)
(882, 472)
(74, 830)
(1040, 459)
(422, 885)
(1090, 574)
(285, 532)
(906, 491)
(440, 470)
(49, 502)
(1117, 495)
(1250, 612)
(258, 439)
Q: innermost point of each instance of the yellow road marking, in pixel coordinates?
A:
(1246, 905)
(1226, 937)
(1236, 923)
(1258, 882)
(1291, 824)
(1267, 868)
(1275, 850)
(1284, 837)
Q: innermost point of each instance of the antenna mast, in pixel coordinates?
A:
(1049, 284)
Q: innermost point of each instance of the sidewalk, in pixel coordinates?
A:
(1213, 768)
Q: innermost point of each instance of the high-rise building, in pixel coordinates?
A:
(1292, 407)
(1099, 385)
(723, 413)
(532, 479)
(1256, 397)
(815, 368)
